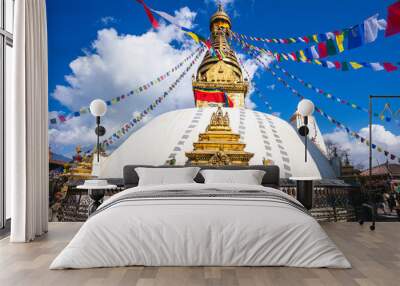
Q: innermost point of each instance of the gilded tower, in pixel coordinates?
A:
(219, 145)
(221, 73)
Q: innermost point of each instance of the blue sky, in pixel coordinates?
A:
(73, 26)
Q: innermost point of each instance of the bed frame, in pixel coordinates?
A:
(270, 179)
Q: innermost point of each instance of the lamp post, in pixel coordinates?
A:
(98, 108)
(305, 109)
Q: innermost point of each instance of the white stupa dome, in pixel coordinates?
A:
(172, 134)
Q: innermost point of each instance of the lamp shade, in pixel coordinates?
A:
(305, 107)
(98, 107)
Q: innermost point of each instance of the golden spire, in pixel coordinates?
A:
(224, 74)
(218, 145)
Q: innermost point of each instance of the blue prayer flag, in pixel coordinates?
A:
(355, 37)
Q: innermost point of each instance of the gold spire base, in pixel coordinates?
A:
(219, 146)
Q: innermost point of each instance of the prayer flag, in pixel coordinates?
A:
(322, 37)
(345, 66)
(167, 17)
(371, 28)
(302, 55)
(308, 53)
(330, 64)
(389, 67)
(212, 96)
(393, 20)
(315, 38)
(377, 66)
(53, 121)
(356, 65)
(153, 20)
(339, 42)
(314, 52)
(330, 45)
(193, 36)
(322, 49)
(330, 35)
(355, 37)
(306, 39)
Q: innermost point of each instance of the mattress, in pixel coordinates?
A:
(201, 225)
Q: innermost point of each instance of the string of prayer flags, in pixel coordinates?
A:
(311, 55)
(125, 128)
(85, 110)
(366, 32)
(171, 19)
(150, 15)
(320, 111)
(356, 135)
(332, 97)
(393, 20)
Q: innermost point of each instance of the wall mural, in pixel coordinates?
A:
(177, 94)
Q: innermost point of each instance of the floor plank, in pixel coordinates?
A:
(375, 257)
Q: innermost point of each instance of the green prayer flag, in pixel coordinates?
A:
(345, 66)
(298, 56)
(330, 46)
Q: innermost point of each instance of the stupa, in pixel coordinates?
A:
(215, 131)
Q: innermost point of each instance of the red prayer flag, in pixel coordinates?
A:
(322, 50)
(393, 20)
(389, 67)
(338, 65)
(153, 20)
(306, 39)
(214, 96)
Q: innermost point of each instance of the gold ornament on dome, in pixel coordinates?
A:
(223, 74)
(218, 145)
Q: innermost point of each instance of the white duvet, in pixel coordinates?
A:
(200, 231)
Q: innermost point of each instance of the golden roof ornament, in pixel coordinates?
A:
(219, 145)
(221, 74)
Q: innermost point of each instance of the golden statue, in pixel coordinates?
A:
(218, 145)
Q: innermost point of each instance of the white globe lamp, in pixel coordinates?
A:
(305, 108)
(98, 108)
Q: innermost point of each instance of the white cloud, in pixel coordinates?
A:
(359, 151)
(116, 64)
(107, 20)
(224, 3)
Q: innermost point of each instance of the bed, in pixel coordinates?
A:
(201, 224)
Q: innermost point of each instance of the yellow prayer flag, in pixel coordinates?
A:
(315, 38)
(293, 40)
(194, 36)
(356, 65)
(302, 56)
(339, 42)
(317, 62)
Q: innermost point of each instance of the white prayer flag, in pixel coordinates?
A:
(377, 67)
(371, 28)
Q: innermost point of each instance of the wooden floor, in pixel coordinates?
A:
(375, 257)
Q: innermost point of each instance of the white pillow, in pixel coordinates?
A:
(166, 176)
(248, 177)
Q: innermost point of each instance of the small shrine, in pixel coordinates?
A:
(218, 145)
(81, 168)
